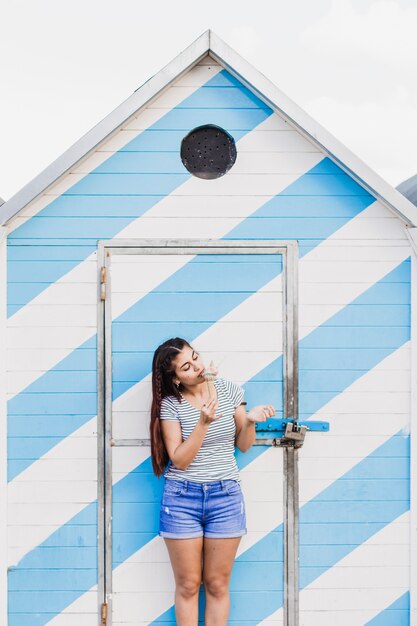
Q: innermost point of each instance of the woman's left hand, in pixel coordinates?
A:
(261, 413)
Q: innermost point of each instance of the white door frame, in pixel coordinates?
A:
(289, 252)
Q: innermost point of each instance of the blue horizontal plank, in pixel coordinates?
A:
(50, 580)
(392, 468)
(55, 426)
(324, 556)
(327, 380)
(286, 228)
(53, 403)
(359, 359)
(44, 270)
(146, 336)
(143, 163)
(390, 337)
(76, 381)
(79, 534)
(264, 393)
(354, 512)
(131, 366)
(21, 253)
(314, 206)
(35, 601)
(99, 206)
(325, 533)
(387, 315)
(72, 558)
(28, 448)
(89, 227)
(119, 184)
(323, 380)
(259, 576)
(142, 517)
(137, 490)
(370, 489)
(199, 307)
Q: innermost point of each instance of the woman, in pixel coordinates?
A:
(202, 515)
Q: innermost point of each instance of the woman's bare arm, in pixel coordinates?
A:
(245, 424)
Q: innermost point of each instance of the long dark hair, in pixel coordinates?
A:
(162, 385)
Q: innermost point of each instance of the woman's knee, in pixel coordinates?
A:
(216, 585)
(188, 587)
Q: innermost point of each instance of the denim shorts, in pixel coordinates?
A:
(213, 509)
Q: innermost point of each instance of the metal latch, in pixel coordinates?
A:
(295, 432)
(289, 433)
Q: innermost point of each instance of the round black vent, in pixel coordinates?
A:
(208, 152)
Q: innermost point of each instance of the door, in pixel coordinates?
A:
(234, 301)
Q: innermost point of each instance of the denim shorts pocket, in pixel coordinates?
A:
(233, 487)
(173, 488)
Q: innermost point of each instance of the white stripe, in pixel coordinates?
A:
(45, 323)
(360, 586)
(265, 515)
(197, 77)
(139, 394)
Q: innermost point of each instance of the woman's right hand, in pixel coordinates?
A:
(208, 412)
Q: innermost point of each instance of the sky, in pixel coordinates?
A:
(66, 64)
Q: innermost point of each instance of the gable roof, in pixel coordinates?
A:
(210, 43)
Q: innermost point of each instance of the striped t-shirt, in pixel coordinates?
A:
(216, 458)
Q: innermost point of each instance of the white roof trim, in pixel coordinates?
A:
(208, 42)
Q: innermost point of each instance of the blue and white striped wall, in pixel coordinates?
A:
(354, 294)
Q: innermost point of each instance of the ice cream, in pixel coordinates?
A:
(210, 376)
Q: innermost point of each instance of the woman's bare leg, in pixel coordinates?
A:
(218, 559)
(186, 561)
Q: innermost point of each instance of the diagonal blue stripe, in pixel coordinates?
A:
(325, 183)
(32, 402)
(396, 614)
(229, 105)
(350, 518)
(133, 531)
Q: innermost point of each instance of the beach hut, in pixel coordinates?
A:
(208, 205)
